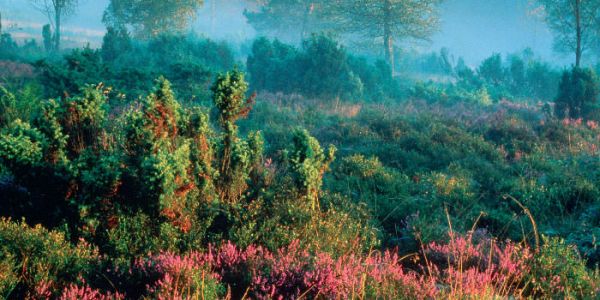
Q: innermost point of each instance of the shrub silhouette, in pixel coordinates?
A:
(577, 93)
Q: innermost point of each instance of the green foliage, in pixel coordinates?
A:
(28, 102)
(518, 77)
(577, 93)
(47, 38)
(309, 163)
(21, 146)
(560, 272)
(28, 51)
(160, 173)
(151, 17)
(388, 21)
(320, 69)
(234, 154)
(115, 42)
(271, 65)
(8, 104)
(133, 236)
(40, 257)
(491, 70)
(189, 62)
(384, 190)
(290, 20)
(326, 70)
(80, 67)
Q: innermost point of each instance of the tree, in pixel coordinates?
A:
(235, 154)
(386, 20)
(115, 43)
(285, 17)
(574, 23)
(150, 18)
(491, 70)
(55, 10)
(517, 75)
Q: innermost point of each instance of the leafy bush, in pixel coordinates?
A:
(43, 261)
(320, 69)
(577, 93)
(177, 58)
(559, 271)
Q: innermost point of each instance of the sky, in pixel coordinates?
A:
(473, 29)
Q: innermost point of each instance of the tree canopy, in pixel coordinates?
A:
(148, 18)
(575, 24)
(386, 21)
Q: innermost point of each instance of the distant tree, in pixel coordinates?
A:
(460, 65)
(47, 37)
(517, 74)
(55, 10)
(284, 17)
(114, 43)
(386, 20)
(326, 72)
(150, 18)
(446, 61)
(578, 90)
(575, 24)
(491, 69)
(542, 80)
(271, 65)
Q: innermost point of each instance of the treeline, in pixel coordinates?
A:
(320, 68)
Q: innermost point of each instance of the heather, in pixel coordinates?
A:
(156, 200)
(164, 164)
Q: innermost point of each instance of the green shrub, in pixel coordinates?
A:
(559, 271)
(577, 93)
(40, 258)
(320, 69)
(308, 165)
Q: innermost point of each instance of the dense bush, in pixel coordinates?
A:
(519, 77)
(36, 262)
(158, 177)
(321, 68)
(577, 93)
(130, 67)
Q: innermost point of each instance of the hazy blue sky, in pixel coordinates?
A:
(473, 29)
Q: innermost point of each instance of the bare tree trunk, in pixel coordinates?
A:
(57, 14)
(309, 10)
(388, 39)
(578, 51)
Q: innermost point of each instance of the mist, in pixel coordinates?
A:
(471, 29)
(300, 149)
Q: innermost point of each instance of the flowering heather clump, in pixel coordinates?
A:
(178, 276)
(75, 292)
(483, 268)
(575, 122)
(378, 275)
(11, 69)
(289, 273)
